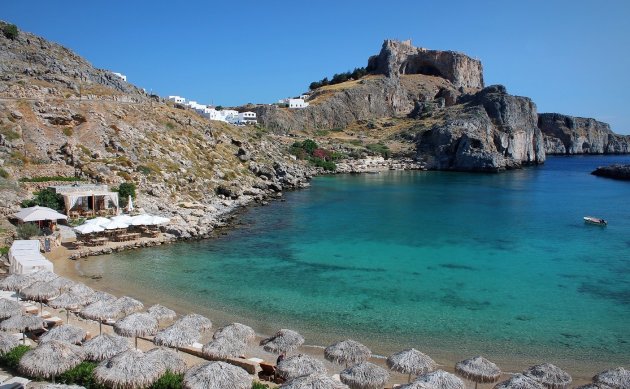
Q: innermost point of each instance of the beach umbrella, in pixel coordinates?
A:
(299, 365)
(40, 291)
(615, 378)
(440, 379)
(416, 385)
(55, 386)
(129, 370)
(9, 308)
(88, 228)
(314, 381)
(221, 348)
(50, 359)
(7, 342)
(82, 290)
(129, 305)
(115, 225)
(519, 381)
(411, 361)
(478, 369)
(167, 359)
(217, 375)
(236, 331)
(100, 296)
(22, 323)
(105, 346)
(347, 351)
(549, 375)
(282, 342)
(364, 375)
(193, 320)
(157, 220)
(129, 204)
(68, 301)
(176, 336)
(123, 218)
(43, 275)
(99, 221)
(99, 311)
(62, 283)
(65, 333)
(142, 220)
(16, 282)
(136, 324)
(160, 312)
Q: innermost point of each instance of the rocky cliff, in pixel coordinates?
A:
(574, 135)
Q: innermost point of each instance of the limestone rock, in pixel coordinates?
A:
(619, 172)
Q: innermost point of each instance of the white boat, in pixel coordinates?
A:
(595, 220)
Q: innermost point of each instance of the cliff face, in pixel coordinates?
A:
(488, 131)
(398, 58)
(574, 135)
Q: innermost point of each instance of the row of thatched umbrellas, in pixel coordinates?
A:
(124, 366)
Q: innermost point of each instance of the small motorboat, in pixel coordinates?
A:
(595, 220)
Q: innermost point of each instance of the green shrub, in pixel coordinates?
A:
(27, 230)
(125, 190)
(338, 78)
(379, 148)
(68, 131)
(168, 381)
(82, 374)
(326, 165)
(10, 31)
(4, 173)
(49, 198)
(4, 250)
(144, 170)
(50, 178)
(11, 359)
(259, 385)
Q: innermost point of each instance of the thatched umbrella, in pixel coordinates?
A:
(136, 324)
(364, 375)
(81, 290)
(64, 333)
(615, 378)
(100, 296)
(313, 381)
(176, 336)
(221, 348)
(9, 308)
(478, 369)
(22, 323)
(105, 346)
(40, 291)
(55, 386)
(440, 379)
(160, 312)
(236, 331)
(193, 320)
(129, 305)
(7, 342)
(166, 359)
(100, 311)
(50, 359)
(16, 282)
(68, 301)
(549, 375)
(282, 342)
(519, 381)
(217, 375)
(411, 361)
(62, 283)
(299, 365)
(597, 386)
(43, 275)
(416, 385)
(130, 370)
(346, 352)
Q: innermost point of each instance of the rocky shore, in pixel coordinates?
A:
(618, 172)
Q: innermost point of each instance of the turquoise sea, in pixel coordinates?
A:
(453, 264)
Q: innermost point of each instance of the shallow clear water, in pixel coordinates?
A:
(457, 264)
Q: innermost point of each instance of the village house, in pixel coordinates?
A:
(177, 99)
(122, 76)
(297, 103)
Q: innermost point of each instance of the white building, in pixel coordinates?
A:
(297, 103)
(124, 78)
(247, 118)
(177, 99)
(25, 257)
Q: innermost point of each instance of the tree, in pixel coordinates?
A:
(45, 198)
(309, 146)
(125, 190)
(10, 31)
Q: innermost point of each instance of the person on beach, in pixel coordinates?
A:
(280, 359)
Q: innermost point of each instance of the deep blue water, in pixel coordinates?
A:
(499, 264)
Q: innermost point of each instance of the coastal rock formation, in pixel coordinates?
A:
(574, 135)
(488, 131)
(619, 172)
(398, 58)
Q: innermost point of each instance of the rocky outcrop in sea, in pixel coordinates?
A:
(619, 172)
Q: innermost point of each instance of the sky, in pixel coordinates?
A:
(569, 56)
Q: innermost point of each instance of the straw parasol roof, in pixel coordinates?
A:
(176, 336)
(615, 378)
(50, 359)
(314, 381)
(129, 305)
(7, 342)
(9, 308)
(193, 320)
(55, 386)
(217, 375)
(478, 369)
(595, 386)
(236, 331)
(416, 385)
(100, 310)
(40, 290)
(282, 342)
(347, 351)
(62, 283)
(364, 375)
(67, 300)
(15, 282)
(224, 348)
(299, 365)
(129, 369)
(519, 381)
(64, 333)
(166, 359)
(549, 375)
(105, 346)
(440, 379)
(43, 275)
(160, 312)
(100, 296)
(81, 290)
(411, 361)
(21, 323)
(136, 324)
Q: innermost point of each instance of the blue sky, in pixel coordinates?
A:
(571, 57)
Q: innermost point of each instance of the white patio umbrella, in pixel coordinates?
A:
(142, 220)
(115, 225)
(99, 221)
(157, 220)
(37, 213)
(123, 218)
(129, 204)
(88, 228)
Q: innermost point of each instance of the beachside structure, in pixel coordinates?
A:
(122, 76)
(25, 257)
(43, 217)
(85, 200)
(177, 99)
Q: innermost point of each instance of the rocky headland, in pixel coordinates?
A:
(619, 172)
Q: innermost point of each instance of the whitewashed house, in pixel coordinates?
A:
(247, 118)
(177, 99)
(124, 78)
(297, 103)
